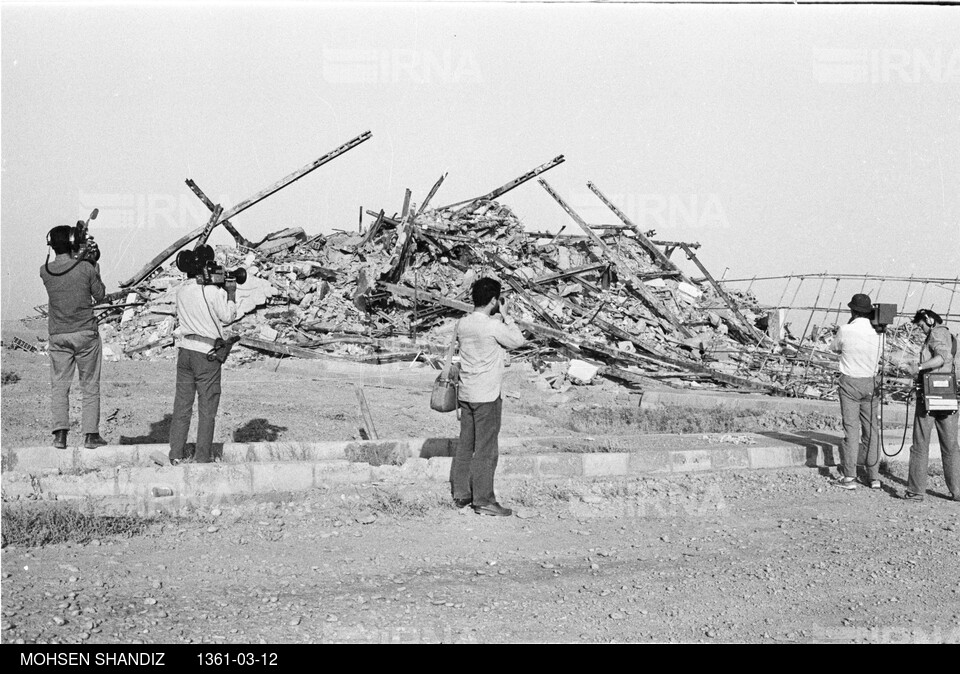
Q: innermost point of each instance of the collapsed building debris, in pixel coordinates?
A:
(608, 302)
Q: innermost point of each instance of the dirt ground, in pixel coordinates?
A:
(757, 556)
(764, 556)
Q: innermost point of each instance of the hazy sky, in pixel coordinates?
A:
(784, 138)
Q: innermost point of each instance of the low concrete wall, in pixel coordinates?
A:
(146, 490)
(38, 460)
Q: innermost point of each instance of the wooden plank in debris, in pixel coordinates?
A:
(239, 238)
(747, 327)
(368, 426)
(280, 349)
(503, 189)
(642, 239)
(570, 272)
(431, 193)
(148, 268)
(635, 283)
(422, 295)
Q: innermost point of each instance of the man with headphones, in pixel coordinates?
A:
(938, 356)
(201, 312)
(73, 287)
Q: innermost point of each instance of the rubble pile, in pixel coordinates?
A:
(605, 302)
(394, 290)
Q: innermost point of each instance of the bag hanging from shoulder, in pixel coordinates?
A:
(444, 396)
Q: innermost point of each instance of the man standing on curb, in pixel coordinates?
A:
(483, 335)
(73, 285)
(201, 311)
(858, 344)
(938, 356)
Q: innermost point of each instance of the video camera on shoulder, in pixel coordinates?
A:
(201, 264)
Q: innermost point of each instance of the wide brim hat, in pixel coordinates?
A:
(861, 303)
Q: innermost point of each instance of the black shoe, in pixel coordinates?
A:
(60, 439)
(93, 440)
(492, 509)
(462, 502)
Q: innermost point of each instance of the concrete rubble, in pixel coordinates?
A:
(605, 303)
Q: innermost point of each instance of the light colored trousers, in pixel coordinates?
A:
(75, 351)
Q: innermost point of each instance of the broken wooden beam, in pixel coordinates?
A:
(422, 295)
(749, 329)
(647, 244)
(280, 349)
(635, 284)
(368, 426)
(241, 241)
(149, 268)
(503, 189)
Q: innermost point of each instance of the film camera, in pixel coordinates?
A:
(883, 315)
(82, 245)
(200, 263)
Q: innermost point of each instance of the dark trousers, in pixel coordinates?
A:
(861, 436)
(196, 376)
(70, 352)
(477, 452)
(946, 424)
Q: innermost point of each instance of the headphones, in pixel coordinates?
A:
(928, 316)
(71, 234)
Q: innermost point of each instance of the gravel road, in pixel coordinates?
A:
(761, 556)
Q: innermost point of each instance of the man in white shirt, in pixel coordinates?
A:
(201, 311)
(483, 336)
(858, 344)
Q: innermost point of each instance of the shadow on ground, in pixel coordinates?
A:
(258, 430)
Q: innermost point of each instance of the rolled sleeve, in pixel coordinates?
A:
(509, 336)
(942, 345)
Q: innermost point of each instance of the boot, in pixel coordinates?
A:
(60, 439)
(93, 440)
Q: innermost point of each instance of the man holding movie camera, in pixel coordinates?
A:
(73, 286)
(205, 301)
(858, 344)
(484, 335)
(937, 356)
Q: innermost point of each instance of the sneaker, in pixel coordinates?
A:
(846, 483)
(873, 484)
(910, 496)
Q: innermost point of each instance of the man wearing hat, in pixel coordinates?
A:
(938, 355)
(858, 344)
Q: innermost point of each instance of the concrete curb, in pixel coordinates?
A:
(146, 490)
(894, 412)
(78, 460)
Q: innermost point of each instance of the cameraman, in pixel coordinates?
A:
(201, 311)
(484, 336)
(73, 286)
(938, 355)
(858, 344)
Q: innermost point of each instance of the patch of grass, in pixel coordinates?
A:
(376, 455)
(36, 525)
(9, 377)
(397, 504)
(676, 419)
